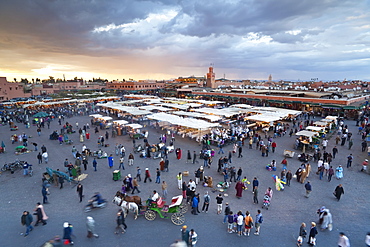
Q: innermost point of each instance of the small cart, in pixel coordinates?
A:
(288, 153)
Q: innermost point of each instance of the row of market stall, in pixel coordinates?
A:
(192, 119)
(312, 136)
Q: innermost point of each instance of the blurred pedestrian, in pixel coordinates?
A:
(164, 189)
(41, 215)
(90, 224)
(67, 233)
(121, 225)
(343, 240)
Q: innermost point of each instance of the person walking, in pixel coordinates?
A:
(147, 175)
(219, 200)
(193, 238)
(121, 225)
(121, 163)
(110, 161)
(308, 188)
(194, 157)
(338, 192)
(131, 159)
(226, 211)
(258, 222)
(289, 177)
(61, 181)
(312, 235)
(85, 163)
(135, 184)
(44, 193)
(349, 160)
(334, 151)
(194, 205)
(255, 195)
(185, 235)
(343, 240)
(46, 157)
(39, 157)
(330, 173)
(26, 220)
(239, 173)
(138, 174)
(164, 189)
(80, 189)
(158, 177)
(240, 150)
(41, 215)
(179, 180)
(339, 172)
(207, 200)
(90, 224)
(95, 164)
(67, 233)
(302, 234)
(188, 158)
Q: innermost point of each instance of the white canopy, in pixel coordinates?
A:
(306, 133)
(120, 122)
(134, 126)
(211, 118)
(332, 118)
(186, 122)
(95, 115)
(263, 118)
(319, 123)
(106, 118)
(315, 128)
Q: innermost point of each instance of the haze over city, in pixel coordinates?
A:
(163, 39)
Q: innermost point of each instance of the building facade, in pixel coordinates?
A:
(10, 90)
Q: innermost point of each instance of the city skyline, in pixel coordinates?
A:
(164, 39)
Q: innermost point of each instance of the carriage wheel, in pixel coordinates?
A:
(178, 218)
(150, 215)
(183, 208)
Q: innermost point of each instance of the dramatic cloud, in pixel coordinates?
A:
(244, 39)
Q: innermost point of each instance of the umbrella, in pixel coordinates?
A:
(41, 114)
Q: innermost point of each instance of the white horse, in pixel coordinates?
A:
(126, 206)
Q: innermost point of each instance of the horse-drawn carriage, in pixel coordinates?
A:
(175, 211)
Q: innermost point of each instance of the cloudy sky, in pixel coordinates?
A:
(164, 39)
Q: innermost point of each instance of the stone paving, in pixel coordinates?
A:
(281, 222)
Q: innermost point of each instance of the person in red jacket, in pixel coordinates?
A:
(273, 145)
(147, 175)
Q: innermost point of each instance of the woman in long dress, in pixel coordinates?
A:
(239, 189)
(339, 172)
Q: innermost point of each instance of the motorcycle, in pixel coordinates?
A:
(12, 167)
(138, 148)
(94, 204)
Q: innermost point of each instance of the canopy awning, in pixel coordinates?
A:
(120, 122)
(134, 126)
(306, 133)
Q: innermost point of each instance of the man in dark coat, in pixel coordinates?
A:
(338, 191)
(26, 220)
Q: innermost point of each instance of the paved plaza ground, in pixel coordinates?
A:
(289, 208)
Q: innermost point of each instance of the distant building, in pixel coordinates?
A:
(270, 77)
(73, 85)
(10, 90)
(211, 81)
(135, 85)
